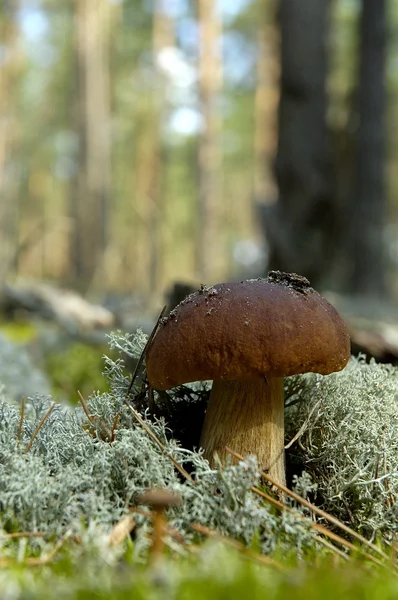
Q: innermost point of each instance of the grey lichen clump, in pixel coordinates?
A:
(18, 375)
(349, 442)
(75, 476)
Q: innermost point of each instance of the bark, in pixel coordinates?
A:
(265, 107)
(303, 226)
(368, 208)
(90, 198)
(150, 193)
(9, 140)
(208, 246)
(162, 37)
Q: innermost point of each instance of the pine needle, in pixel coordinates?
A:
(93, 420)
(304, 426)
(85, 407)
(143, 353)
(121, 530)
(316, 510)
(22, 534)
(21, 419)
(40, 425)
(49, 556)
(115, 422)
(320, 528)
(151, 434)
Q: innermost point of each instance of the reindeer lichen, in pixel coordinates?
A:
(348, 442)
(85, 470)
(82, 472)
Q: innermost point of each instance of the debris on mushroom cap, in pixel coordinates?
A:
(159, 498)
(298, 282)
(240, 330)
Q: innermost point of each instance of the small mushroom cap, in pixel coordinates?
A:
(277, 326)
(159, 498)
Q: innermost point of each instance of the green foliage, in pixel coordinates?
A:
(349, 442)
(21, 332)
(214, 573)
(78, 367)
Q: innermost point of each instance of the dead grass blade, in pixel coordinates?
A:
(21, 419)
(115, 422)
(154, 437)
(95, 422)
(85, 407)
(40, 425)
(333, 548)
(320, 528)
(143, 353)
(314, 509)
(121, 530)
(22, 534)
(49, 556)
(304, 425)
(42, 560)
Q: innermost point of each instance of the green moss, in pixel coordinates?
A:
(214, 573)
(20, 332)
(79, 367)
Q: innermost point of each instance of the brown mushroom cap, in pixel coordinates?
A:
(277, 326)
(159, 498)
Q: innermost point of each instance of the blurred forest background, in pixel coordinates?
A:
(148, 142)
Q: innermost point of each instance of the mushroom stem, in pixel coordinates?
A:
(247, 416)
(159, 525)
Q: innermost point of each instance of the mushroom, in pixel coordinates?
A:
(247, 336)
(159, 500)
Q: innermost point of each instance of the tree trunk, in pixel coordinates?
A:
(368, 205)
(9, 140)
(162, 37)
(208, 246)
(90, 198)
(149, 192)
(303, 226)
(265, 107)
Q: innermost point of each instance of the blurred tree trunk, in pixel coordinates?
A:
(265, 106)
(303, 226)
(162, 37)
(10, 68)
(90, 197)
(368, 204)
(208, 244)
(149, 193)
